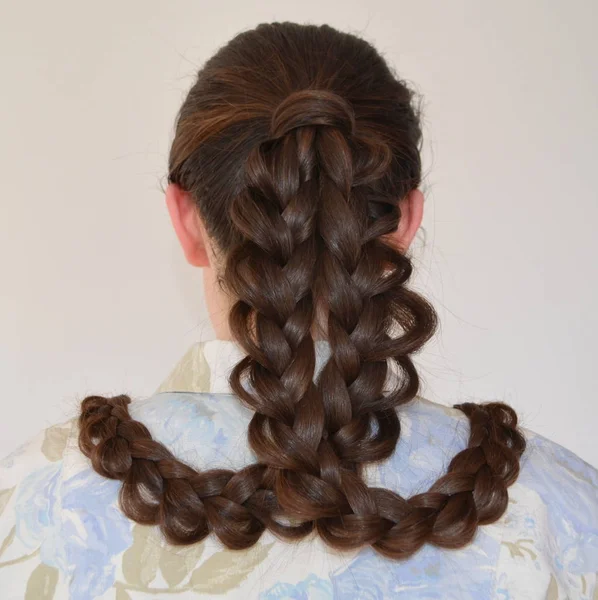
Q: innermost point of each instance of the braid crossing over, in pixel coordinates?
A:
(160, 490)
(297, 167)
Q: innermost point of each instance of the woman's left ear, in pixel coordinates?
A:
(412, 211)
(187, 225)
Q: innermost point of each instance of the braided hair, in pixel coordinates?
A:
(297, 143)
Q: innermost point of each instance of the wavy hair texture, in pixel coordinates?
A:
(297, 142)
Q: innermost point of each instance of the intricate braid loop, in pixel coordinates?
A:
(188, 505)
(159, 489)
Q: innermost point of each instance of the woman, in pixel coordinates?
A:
(292, 457)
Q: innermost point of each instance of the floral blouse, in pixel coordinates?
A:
(62, 534)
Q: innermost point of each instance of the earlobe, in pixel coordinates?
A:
(187, 225)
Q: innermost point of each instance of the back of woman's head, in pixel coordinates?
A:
(297, 143)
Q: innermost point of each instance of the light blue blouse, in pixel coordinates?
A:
(62, 534)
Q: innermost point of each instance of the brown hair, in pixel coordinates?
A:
(297, 142)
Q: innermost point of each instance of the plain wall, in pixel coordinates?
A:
(96, 297)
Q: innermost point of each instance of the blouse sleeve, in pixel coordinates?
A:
(29, 514)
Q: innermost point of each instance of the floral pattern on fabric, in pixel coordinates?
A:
(62, 534)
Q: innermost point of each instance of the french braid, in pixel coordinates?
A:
(297, 142)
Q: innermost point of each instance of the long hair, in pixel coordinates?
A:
(297, 143)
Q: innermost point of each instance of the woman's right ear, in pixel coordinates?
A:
(187, 225)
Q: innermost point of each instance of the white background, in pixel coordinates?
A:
(96, 297)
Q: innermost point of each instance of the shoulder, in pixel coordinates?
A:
(60, 524)
(546, 544)
(558, 473)
(204, 429)
(568, 486)
(432, 433)
(29, 481)
(551, 527)
(39, 455)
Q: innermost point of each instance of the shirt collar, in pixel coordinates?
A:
(205, 367)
